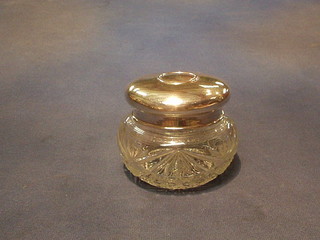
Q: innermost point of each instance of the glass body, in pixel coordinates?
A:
(177, 158)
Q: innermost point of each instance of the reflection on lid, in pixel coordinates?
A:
(173, 101)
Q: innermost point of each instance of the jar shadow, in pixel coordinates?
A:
(231, 172)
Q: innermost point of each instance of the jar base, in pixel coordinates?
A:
(180, 183)
(231, 172)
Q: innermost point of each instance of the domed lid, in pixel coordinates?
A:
(178, 92)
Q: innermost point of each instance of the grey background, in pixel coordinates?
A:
(64, 66)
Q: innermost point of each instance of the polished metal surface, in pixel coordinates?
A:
(178, 99)
(178, 92)
(178, 121)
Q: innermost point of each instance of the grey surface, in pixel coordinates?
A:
(64, 66)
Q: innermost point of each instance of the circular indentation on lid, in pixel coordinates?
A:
(177, 78)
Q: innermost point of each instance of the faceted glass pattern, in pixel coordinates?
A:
(177, 158)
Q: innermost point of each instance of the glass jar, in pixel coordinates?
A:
(177, 137)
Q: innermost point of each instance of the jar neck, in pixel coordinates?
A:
(176, 121)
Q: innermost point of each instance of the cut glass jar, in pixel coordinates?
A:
(177, 137)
